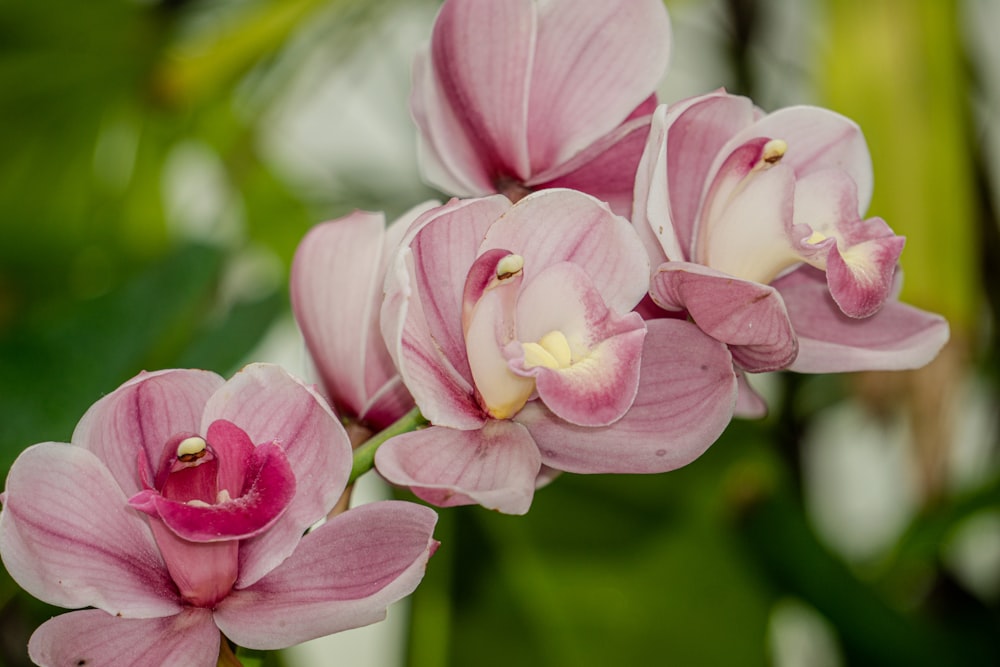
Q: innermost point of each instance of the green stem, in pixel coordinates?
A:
(364, 456)
(226, 656)
(252, 658)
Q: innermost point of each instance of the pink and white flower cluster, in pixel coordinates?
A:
(512, 325)
(755, 226)
(514, 321)
(591, 306)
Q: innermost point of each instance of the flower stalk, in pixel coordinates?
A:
(364, 456)
(226, 656)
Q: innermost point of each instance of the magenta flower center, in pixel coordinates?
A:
(208, 494)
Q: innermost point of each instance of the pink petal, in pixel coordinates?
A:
(444, 394)
(642, 113)
(69, 538)
(555, 226)
(698, 129)
(337, 276)
(142, 415)
(546, 476)
(651, 214)
(94, 637)
(422, 311)
(270, 405)
(448, 157)
(825, 199)
(897, 337)
(748, 316)
(593, 64)
(392, 399)
(687, 390)
(562, 297)
(859, 256)
(445, 243)
(495, 466)
(653, 202)
(342, 575)
(203, 572)
(481, 52)
(860, 275)
(235, 452)
(606, 169)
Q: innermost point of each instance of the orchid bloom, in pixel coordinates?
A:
(755, 223)
(521, 95)
(512, 326)
(336, 290)
(179, 510)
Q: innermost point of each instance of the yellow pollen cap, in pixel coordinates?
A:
(509, 266)
(774, 150)
(191, 449)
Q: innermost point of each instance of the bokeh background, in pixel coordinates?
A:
(159, 162)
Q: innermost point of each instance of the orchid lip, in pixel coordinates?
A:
(200, 504)
(551, 351)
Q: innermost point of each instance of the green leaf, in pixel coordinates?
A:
(604, 570)
(777, 537)
(56, 366)
(899, 70)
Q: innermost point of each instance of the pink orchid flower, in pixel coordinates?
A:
(512, 326)
(755, 222)
(521, 95)
(336, 290)
(179, 511)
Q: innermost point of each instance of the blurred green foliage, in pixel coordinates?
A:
(97, 283)
(899, 69)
